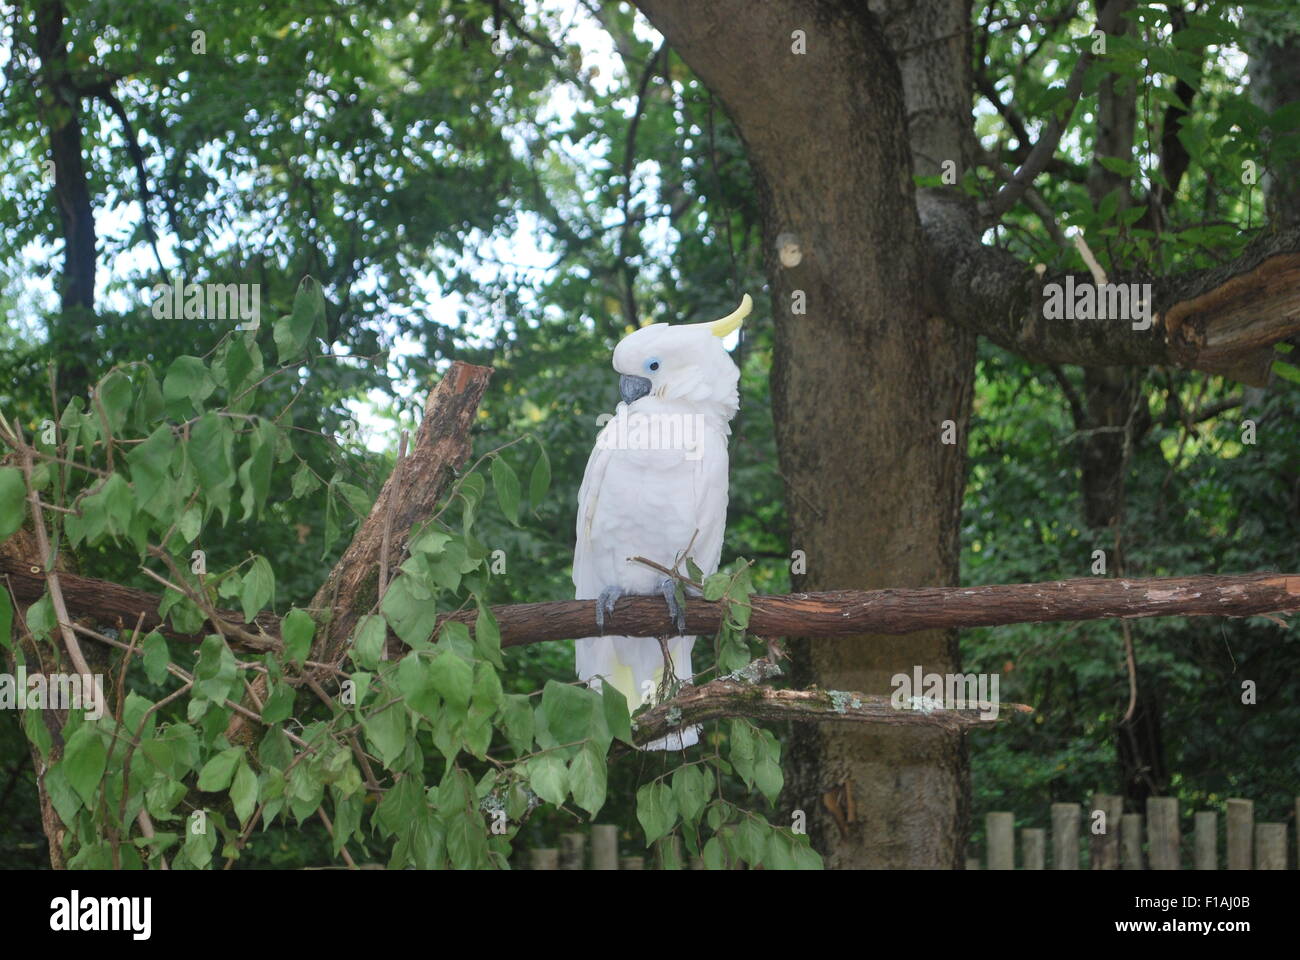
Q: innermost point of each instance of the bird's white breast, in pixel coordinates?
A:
(657, 476)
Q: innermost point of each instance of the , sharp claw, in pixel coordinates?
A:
(605, 606)
(668, 587)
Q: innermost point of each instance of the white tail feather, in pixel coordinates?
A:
(634, 666)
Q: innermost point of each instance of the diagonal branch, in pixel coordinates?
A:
(105, 92)
(410, 495)
(1050, 139)
(47, 558)
(1032, 197)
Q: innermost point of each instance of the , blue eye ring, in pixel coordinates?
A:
(652, 364)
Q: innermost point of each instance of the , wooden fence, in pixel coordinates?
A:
(1250, 845)
(572, 853)
(1129, 841)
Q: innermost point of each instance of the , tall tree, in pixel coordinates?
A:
(60, 107)
(839, 105)
(268, 142)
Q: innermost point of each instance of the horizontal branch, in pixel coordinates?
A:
(813, 615)
(1224, 320)
(848, 613)
(731, 698)
(111, 604)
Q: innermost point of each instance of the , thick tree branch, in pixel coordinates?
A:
(846, 613)
(1223, 320)
(441, 447)
(1233, 317)
(114, 605)
(842, 613)
(409, 495)
(730, 698)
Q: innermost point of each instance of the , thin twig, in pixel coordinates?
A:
(252, 696)
(146, 828)
(455, 488)
(58, 509)
(135, 742)
(121, 699)
(1130, 658)
(1033, 198)
(668, 573)
(188, 678)
(372, 782)
(48, 558)
(1085, 251)
(343, 847)
(163, 580)
(244, 835)
(86, 468)
(104, 425)
(1121, 563)
(126, 662)
(114, 839)
(223, 625)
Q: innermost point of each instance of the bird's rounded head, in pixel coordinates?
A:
(682, 362)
